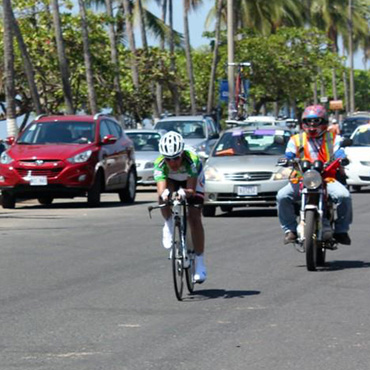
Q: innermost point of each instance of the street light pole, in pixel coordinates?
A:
(350, 47)
(230, 53)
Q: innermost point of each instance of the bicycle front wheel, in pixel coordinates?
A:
(177, 262)
(190, 271)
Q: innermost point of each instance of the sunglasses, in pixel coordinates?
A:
(173, 159)
(313, 121)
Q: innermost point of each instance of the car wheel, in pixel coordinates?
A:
(8, 200)
(45, 201)
(93, 194)
(209, 211)
(226, 208)
(128, 193)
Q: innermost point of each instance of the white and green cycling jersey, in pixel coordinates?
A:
(191, 167)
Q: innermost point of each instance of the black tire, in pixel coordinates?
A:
(177, 263)
(93, 194)
(8, 200)
(209, 211)
(310, 242)
(356, 188)
(190, 271)
(45, 201)
(321, 255)
(128, 193)
(226, 209)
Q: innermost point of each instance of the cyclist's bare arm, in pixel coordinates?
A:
(191, 184)
(161, 187)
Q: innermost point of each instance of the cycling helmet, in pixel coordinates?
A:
(171, 144)
(315, 120)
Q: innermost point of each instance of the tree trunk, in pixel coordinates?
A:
(189, 61)
(131, 39)
(230, 57)
(87, 58)
(175, 94)
(162, 46)
(9, 70)
(212, 79)
(350, 47)
(63, 65)
(115, 61)
(28, 67)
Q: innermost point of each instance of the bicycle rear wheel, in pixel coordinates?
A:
(177, 262)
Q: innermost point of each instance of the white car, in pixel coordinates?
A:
(146, 152)
(358, 170)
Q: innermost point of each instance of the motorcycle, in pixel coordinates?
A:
(314, 205)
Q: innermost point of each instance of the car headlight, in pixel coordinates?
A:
(149, 165)
(81, 157)
(5, 158)
(312, 179)
(211, 174)
(282, 173)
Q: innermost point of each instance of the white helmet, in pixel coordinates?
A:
(171, 144)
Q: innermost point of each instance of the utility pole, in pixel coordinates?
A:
(230, 56)
(350, 47)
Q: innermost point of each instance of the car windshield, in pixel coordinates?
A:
(188, 129)
(350, 125)
(361, 137)
(259, 141)
(145, 142)
(67, 132)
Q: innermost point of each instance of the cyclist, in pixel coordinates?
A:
(181, 170)
(315, 142)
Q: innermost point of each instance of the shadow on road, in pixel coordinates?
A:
(250, 213)
(344, 265)
(221, 293)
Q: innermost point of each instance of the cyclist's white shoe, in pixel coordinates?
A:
(167, 234)
(200, 275)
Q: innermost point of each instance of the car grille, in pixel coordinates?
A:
(52, 172)
(248, 176)
(365, 178)
(261, 197)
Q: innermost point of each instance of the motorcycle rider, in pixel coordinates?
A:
(315, 143)
(181, 170)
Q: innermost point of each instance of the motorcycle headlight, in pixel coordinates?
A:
(5, 158)
(212, 174)
(312, 179)
(282, 173)
(81, 157)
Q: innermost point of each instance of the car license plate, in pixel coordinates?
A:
(38, 180)
(247, 190)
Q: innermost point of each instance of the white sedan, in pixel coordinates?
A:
(358, 170)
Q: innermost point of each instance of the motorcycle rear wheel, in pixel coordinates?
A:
(310, 242)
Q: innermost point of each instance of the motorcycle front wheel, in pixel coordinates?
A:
(310, 241)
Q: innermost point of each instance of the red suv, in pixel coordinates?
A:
(68, 156)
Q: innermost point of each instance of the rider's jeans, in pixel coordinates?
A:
(338, 193)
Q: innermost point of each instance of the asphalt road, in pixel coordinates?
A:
(88, 289)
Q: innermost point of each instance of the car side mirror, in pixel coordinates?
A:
(10, 140)
(109, 139)
(279, 139)
(215, 136)
(346, 142)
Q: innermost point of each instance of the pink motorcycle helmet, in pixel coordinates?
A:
(315, 120)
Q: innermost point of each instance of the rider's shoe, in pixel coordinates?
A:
(200, 275)
(167, 234)
(342, 238)
(290, 237)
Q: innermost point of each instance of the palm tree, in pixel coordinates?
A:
(28, 66)
(9, 69)
(114, 59)
(87, 58)
(211, 89)
(63, 64)
(189, 63)
(131, 37)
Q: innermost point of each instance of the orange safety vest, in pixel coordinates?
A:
(325, 152)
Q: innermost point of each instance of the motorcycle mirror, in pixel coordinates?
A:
(346, 142)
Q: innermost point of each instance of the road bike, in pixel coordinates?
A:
(182, 253)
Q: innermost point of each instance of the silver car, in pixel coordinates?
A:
(242, 171)
(146, 152)
(200, 133)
